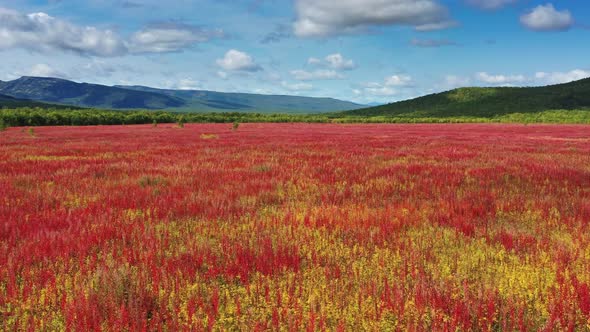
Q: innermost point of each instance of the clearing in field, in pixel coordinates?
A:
(295, 226)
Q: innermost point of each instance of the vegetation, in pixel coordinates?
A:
(295, 227)
(486, 103)
(83, 117)
(181, 121)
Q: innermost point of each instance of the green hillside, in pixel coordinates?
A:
(486, 102)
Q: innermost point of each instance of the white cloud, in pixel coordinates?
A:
(188, 84)
(490, 4)
(436, 26)
(454, 81)
(322, 74)
(235, 60)
(320, 18)
(398, 80)
(338, 62)
(379, 90)
(314, 61)
(44, 70)
(389, 87)
(333, 61)
(169, 37)
(500, 79)
(41, 32)
(561, 77)
(547, 18)
(297, 86)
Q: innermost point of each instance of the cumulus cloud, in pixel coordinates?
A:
(547, 18)
(455, 81)
(45, 70)
(562, 77)
(337, 61)
(391, 85)
(169, 37)
(333, 61)
(41, 32)
(490, 4)
(398, 80)
(322, 74)
(500, 79)
(432, 42)
(320, 18)
(235, 60)
(538, 79)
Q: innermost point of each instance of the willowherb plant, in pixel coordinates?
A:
(298, 227)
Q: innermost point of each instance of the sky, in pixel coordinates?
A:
(366, 51)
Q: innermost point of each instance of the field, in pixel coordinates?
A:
(295, 227)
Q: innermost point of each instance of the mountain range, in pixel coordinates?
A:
(11, 102)
(64, 92)
(471, 101)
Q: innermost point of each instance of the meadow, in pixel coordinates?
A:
(290, 227)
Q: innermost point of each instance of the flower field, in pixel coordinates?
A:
(289, 227)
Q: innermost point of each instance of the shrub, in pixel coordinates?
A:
(181, 121)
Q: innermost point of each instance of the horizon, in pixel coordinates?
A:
(370, 104)
(322, 48)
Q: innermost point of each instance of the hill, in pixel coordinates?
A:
(11, 102)
(54, 90)
(487, 102)
(230, 102)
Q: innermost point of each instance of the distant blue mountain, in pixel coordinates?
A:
(60, 91)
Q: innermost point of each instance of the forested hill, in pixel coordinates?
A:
(487, 102)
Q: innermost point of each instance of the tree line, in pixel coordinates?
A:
(19, 117)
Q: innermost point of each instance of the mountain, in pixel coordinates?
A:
(60, 91)
(11, 102)
(55, 90)
(227, 101)
(487, 102)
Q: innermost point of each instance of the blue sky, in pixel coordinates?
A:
(359, 50)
